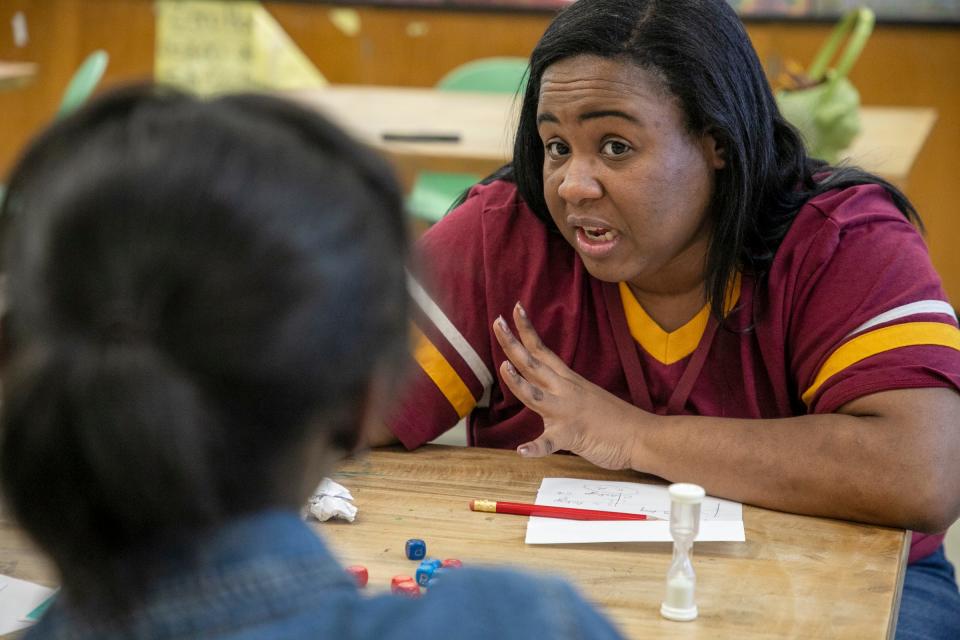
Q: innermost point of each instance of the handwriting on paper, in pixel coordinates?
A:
(720, 520)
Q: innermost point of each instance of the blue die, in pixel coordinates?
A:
(424, 573)
(416, 549)
(433, 562)
(436, 575)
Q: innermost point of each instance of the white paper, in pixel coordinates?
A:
(17, 599)
(331, 500)
(720, 520)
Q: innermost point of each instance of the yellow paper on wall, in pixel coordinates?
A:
(278, 62)
(210, 47)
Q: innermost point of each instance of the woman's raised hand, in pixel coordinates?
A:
(577, 415)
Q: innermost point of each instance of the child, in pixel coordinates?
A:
(205, 304)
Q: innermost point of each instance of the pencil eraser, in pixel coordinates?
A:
(359, 573)
(451, 563)
(416, 549)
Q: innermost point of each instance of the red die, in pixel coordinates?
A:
(359, 573)
(407, 588)
(398, 579)
(451, 563)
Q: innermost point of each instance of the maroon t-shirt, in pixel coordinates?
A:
(851, 306)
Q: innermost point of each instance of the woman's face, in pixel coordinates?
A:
(626, 183)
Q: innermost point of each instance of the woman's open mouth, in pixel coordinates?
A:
(596, 242)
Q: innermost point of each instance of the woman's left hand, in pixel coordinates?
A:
(577, 415)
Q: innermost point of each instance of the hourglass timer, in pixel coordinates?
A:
(679, 603)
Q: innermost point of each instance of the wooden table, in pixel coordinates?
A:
(795, 576)
(888, 145)
(16, 74)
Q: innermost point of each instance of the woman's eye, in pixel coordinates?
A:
(615, 148)
(556, 149)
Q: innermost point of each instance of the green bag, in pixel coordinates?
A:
(828, 113)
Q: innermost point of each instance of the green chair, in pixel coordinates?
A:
(487, 75)
(433, 191)
(83, 82)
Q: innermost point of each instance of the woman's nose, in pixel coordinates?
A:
(579, 183)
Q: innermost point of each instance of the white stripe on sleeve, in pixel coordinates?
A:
(914, 308)
(453, 336)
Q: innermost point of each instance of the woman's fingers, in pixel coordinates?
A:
(542, 446)
(529, 366)
(528, 393)
(537, 363)
(534, 344)
(577, 416)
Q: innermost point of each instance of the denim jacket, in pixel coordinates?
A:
(270, 576)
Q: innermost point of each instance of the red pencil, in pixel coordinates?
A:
(521, 509)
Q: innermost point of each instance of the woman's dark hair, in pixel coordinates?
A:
(195, 292)
(701, 52)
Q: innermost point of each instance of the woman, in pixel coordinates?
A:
(205, 306)
(693, 296)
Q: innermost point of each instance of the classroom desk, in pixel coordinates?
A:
(484, 123)
(888, 144)
(795, 576)
(16, 74)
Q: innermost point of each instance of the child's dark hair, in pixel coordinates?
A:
(195, 291)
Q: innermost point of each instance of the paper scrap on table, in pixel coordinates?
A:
(331, 500)
(39, 610)
(17, 599)
(720, 520)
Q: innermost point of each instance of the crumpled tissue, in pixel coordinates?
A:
(331, 500)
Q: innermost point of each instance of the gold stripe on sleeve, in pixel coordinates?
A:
(443, 375)
(868, 344)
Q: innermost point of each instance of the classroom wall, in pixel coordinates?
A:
(62, 33)
(902, 65)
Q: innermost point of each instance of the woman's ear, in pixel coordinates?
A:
(714, 152)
